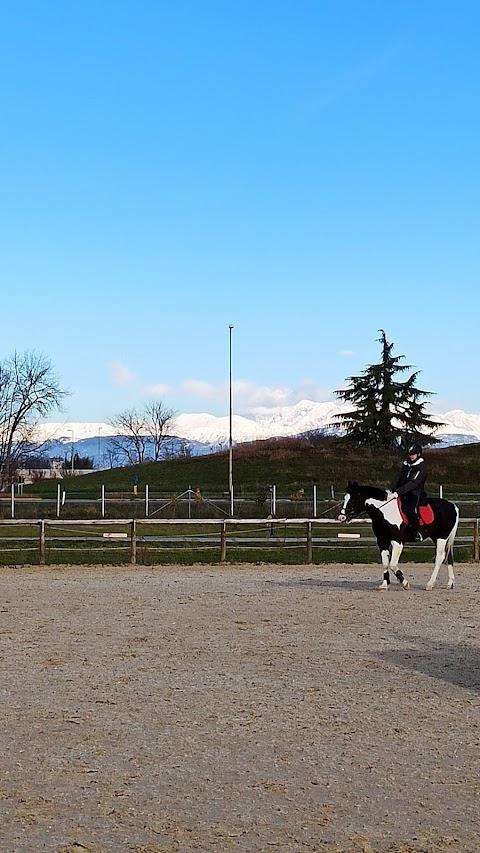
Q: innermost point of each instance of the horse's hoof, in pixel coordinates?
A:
(405, 585)
(450, 586)
(383, 587)
(429, 587)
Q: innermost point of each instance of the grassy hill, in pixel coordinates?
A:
(289, 463)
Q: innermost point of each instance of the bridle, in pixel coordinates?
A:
(343, 517)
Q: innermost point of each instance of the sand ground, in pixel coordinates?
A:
(238, 709)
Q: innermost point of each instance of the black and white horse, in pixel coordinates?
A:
(392, 531)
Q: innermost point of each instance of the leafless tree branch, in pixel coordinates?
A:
(29, 390)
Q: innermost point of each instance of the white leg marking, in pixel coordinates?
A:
(449, 549)
(397, 549)
(439, 558)
(386, 565)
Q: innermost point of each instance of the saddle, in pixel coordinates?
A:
(425, 513)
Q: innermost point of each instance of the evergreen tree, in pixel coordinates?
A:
(388, 413)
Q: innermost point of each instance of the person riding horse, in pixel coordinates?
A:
(409, 486)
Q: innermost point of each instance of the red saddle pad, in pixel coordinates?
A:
(426, 513)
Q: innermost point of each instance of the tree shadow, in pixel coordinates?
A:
(455, 663)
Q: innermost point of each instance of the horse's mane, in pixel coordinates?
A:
(372, 492)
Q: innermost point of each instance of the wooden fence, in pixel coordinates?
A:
(222, 534)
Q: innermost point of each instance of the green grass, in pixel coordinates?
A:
(291, 464)
(19, 545)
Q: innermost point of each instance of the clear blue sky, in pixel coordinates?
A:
(307, 171)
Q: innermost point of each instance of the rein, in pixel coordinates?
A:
(330, 508)
(387, 502)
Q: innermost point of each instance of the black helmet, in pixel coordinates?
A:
(415, 448)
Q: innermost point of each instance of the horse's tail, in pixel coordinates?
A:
(451, 539)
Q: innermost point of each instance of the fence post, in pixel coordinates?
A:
(146, 500)
(440, 491)
(309, 542)
(476, 541)
(103, 501)
(314, 501)
(13, 500)
(133, 543)
(223, 542)
(332, 492)
(58, 500)
(42, 542)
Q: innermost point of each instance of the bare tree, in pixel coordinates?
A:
(110, 457)
(141, 434)
(129, 446)
(158, 419)
(29, 390)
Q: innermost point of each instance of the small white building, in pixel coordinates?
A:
(56, 471)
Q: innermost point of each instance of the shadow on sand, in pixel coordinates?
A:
(328, 583)
(455, 663)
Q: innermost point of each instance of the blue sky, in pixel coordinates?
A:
(306, 171)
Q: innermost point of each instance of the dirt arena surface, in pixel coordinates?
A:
(238, 709)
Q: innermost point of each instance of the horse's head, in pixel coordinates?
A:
(353, 503)
(358, 500)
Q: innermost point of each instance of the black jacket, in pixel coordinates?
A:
(411, 478)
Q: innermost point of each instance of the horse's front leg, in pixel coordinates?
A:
(385, 555)
(397, 548)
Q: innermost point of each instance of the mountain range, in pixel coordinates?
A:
(204, 433)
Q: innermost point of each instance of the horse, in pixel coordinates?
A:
(438, 522)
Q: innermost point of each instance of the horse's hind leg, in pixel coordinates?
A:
(440, 551)
(451, 575)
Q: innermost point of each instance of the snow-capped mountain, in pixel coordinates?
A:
(287, 420)
(204, 433)
(302, 418)
(68, 431)
(458, 422)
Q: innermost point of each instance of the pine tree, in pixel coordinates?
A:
(388, 413)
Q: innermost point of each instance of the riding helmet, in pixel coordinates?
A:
(415, 448)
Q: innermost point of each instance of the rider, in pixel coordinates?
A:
(409, 486)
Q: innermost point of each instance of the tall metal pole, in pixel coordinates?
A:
(72, 447)
(230, 436)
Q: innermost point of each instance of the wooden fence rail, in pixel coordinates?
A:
(134, 527)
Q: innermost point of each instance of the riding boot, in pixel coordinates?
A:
(417, 536)
(413, 525)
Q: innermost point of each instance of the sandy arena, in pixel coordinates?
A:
(239, 709)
